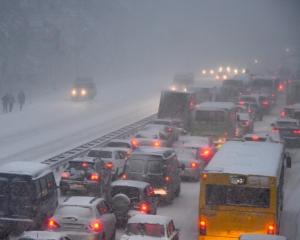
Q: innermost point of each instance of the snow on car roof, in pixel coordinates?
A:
(153, 219)
(296, 105)
(131, 183)
(247, 158)
(26, 168)
(115, 149)
(185, 156)
(249, 96)
(83, 159)
(41, 235)
(80, 201)
(227, 105)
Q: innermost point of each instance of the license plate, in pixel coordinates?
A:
(285, 132)
(77, 186)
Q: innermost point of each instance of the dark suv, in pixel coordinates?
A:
(86, 175)
(128, 198)
(157, 166)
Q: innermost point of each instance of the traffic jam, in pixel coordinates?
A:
(201, 130)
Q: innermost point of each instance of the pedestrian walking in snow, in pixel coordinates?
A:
(11, 101)
(5, 102)
(21, 99)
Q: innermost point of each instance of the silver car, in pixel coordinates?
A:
(84, 218)
(43, 235)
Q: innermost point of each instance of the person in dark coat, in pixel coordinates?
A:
(21, 99)
(11, 101)
(5, 102)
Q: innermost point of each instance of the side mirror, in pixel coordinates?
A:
(288, 162)
(272, 124)
(183, 166)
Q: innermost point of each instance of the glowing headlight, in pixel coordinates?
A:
(173, 88)
(184, 89)
(83, 92)
(74, 92)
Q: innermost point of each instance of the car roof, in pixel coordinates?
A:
(287, 120)
(26, 168)
(45, 235)
(130, 183)
(154, 219)
(84, 159)
(111, 149)
(80, 201)
(253, 96)
(185, 156)
(120, 140)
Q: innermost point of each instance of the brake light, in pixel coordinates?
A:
(282, 114)
(202, 227)
(289, 81)
(96, 226)
(124, 176)
(272, 95)
(128, 153)
(65, 175)
(280, 87)
(84, 164)
(241, 103)
(205, 152)
(225, 133)
(296, 131)
(167, 178)
(240, 93)
(255, 138)
(271, 229)
(265, 103)
(156, 144)
(169, 129)
(193, 165)
(275, 130)
(249, 110)
(191, 105)
(109, 165)
(247, 123)
(134, 143)
(144, 207)
(52, 224)
(95, 177)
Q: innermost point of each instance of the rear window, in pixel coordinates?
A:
(147, 229)
(81, 211)
(248, 99)
(136, 166)
(155, 167)
(237, 196)
(100, 154)
(81, 165)
(119, 144)
(210, 116)
(286, 124)
(20, 189)
(131, 192)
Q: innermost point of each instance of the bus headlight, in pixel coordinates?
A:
(83, 92)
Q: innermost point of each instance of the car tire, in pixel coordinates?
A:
(120, 203)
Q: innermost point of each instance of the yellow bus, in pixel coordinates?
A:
(242, 190)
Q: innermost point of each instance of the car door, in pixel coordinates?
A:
(173, 234)
(107, 218)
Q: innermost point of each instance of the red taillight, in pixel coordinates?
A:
(296, 131)
(205, 152)
(134, 143)
(167, 178)
(169, 129)
(191, 105)
(84, 164)
(255, 138)
(241, 103)
(271, 229)
(95, 177)
(64, 175)
(128, 153)
(202, 227)
(52, 224)
(144, 208)
(265, 103)
(282, 114)
(247, 123)
(193, 165)
(240, 93)
(280, 87)
(275, 130)
(249, 110)
(289, 81)
(96, 226)
(109, 165)
(272, 95)
(124, 176)
(156, 144)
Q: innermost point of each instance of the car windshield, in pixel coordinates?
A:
(100, 154)
(145, 229)
(80, 165)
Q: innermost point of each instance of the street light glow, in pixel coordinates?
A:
(211, 71)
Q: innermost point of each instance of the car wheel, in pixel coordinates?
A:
(177, 192)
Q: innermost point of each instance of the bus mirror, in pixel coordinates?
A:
(288, 162)
(238, 117)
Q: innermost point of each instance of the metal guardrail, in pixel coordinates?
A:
(125, 132)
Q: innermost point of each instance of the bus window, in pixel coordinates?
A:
(210, 116)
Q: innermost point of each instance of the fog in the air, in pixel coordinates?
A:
(50, 42)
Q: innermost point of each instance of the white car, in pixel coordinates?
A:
(83, 218)
(43, 235)
(151, 139)
(150, 227)
(112, 156)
